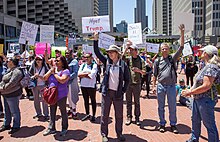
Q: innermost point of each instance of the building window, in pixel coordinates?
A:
(10, 31)
(1, 29)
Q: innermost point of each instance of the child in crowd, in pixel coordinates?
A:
(185, 101)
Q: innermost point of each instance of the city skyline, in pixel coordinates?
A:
(120, 11)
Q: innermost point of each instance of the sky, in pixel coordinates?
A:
(124, 10)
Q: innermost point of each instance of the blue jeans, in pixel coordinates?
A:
(170, 91)
(203, 110)
(12, 109)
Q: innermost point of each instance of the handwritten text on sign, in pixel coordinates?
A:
(105, 40)
(28, 33)
(47, 34)
(98, 23)
(135, 33)
(154, 48)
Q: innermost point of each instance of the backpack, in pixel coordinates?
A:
(170, 58)
(84, 64)
(25, 77)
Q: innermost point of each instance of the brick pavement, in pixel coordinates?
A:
(32, 130)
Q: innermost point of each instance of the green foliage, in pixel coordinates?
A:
(79, 53)
(218, 52)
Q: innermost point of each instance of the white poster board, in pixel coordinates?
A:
(47, 34)
(28, 33)
(183, 18)
(153, 48)
(105, 40)
(88, 49)
(135, 33)
(97, 23)
(187, 50)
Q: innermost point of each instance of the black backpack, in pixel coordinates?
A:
(170, 58)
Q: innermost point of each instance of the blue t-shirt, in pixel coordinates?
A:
(180, 88)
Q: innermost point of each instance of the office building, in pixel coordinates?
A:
(82, 8)
(162, 16)
(122, 27)
(140, 13)
(106, 8)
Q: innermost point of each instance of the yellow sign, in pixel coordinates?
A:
(1, 49)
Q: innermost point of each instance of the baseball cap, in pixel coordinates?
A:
(181, 80)
(210, 49)
(133, 47)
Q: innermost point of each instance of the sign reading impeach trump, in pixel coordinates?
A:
(97, 23)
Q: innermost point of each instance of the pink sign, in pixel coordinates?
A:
(41, 47)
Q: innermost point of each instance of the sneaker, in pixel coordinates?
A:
(63, 132)
(69, 112)
(104, 139)
(161, 128)
(13, 130)
(138, 122)
(92, 119)
(3, 128)
(121, 138)
(48, 132)
(174, 129)
(128, 121)
(85, 117)
(37, 116)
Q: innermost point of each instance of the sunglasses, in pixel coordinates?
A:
(57, 60)
(38, 59)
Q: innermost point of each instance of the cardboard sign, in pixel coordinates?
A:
(88, 49)
(71, 40)
(10, 55)
(97, 23)
(154, 48)
(187, 50)
(1, 49)
(47, 34)
(41, 47)
(135, 33)
(61, 48)
(105, 40)
(28, 33)
(183, 18)
(14, 47)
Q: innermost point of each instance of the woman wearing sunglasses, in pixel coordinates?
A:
(59, 77)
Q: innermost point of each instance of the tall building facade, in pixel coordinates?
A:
(40, 12)
(140, 13)
(106, 8)
(162, 16)
(82, 8)
(122, 27)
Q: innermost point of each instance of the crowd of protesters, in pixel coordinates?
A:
(125, 74)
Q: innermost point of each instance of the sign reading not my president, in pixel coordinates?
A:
(28, 33)
(97, 23)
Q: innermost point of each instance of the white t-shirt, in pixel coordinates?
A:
(114, 77)
(92, 69)
(40, 82)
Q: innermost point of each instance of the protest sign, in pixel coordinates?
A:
(71, 40)
(183, 18)
(47, 34)
(10, 55)
(61, 48)
(25, 54)
(14, 47)
(154, 48)
(135, 33)
(97, 23)
(28, 33)
(41, 47)
(88, 49)
(1, 49)
(105, 40)
(187, 50)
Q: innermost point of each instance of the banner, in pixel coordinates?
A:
(47, 34)
(1, 49)
(88, 49)
(61, 48)
(135, 33)
(154, 48)
(28, 33)
(41, 47)
(187, 50)
(105, 40)
(97, 23)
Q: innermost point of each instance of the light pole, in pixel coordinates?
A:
(195, 34)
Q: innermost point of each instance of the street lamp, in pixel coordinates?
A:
(195, 31)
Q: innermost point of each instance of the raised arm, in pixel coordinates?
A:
(99, 55)
(179, 51)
